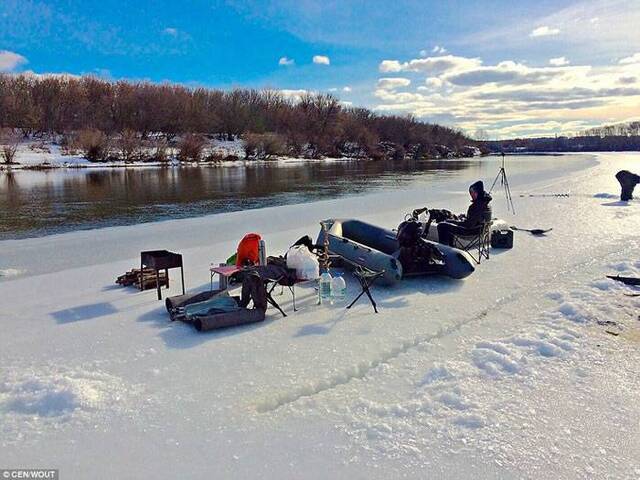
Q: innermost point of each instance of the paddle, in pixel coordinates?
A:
(533, 231)
(625, 280)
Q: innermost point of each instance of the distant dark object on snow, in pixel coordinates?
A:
(534, 231)
(628, 182)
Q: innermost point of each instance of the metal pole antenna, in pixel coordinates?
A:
(504, 182)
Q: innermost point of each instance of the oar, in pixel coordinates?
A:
(533, 231)
(625, 280)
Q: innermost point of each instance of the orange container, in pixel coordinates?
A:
(248, 250)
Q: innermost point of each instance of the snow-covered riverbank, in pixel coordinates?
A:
(48, 156)
(511, 373)
(43, 156)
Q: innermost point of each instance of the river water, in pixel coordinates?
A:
(39, 203)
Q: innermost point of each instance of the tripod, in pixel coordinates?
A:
(504, 181)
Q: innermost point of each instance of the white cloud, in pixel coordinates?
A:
(628, 80)
(333, 89)
(431, 65)
(321, 60)
(439, 50)
(434, 82)
(611, 35)
(9, 61)
(286, 62)
(510, 98)
(504, 73)
(389, 66)
(294, 95)
(346, 89)
(391, 83)
(633, 59)
(559, 61)
(176, 34)
(544, 31)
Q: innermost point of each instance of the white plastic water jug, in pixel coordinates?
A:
(338, 288)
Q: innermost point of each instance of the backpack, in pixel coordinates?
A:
(248, 250)
(409, 233)
(253, 289)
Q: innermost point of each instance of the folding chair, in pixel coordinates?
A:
(477, 245)
(366, 277)
(269, 285)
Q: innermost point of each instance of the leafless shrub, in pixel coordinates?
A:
(160, 152)
(9, 141)
(93, 144)
(129, 146)
(190, 148)
(263, 146)
(214, 156)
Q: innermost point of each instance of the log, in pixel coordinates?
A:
(132, 278)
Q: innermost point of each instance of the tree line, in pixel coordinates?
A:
(126, 117)
(581, 143)
(630, 129)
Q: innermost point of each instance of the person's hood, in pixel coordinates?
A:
(483, 197)
(478, 187)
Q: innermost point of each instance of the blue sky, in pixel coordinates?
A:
(502, 67)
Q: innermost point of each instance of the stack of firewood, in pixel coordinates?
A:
(132, 278)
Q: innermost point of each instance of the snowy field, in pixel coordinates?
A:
(526, 369)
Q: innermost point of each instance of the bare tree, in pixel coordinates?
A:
(315, 125)
(9, 141)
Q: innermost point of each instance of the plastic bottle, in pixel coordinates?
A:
(338, 289)
(324, 287)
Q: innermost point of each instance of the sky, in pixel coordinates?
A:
(493, 68)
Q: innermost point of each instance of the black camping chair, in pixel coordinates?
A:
(366, 277)
(478, 245)
(270, 284)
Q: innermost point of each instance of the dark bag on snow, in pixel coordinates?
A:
(416, 255)
(253, 290)
(306, 241)
(408, 233)
(502, 239)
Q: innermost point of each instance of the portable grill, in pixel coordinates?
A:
(161, 260)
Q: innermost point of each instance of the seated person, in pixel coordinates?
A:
(478, 214)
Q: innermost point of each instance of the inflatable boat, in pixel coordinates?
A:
(376, 248)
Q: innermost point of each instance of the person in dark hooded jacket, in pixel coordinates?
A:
(628, 182)
(478, 214)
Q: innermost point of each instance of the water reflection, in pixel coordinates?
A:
(34, 203)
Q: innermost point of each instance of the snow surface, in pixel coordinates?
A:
(526, 369)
